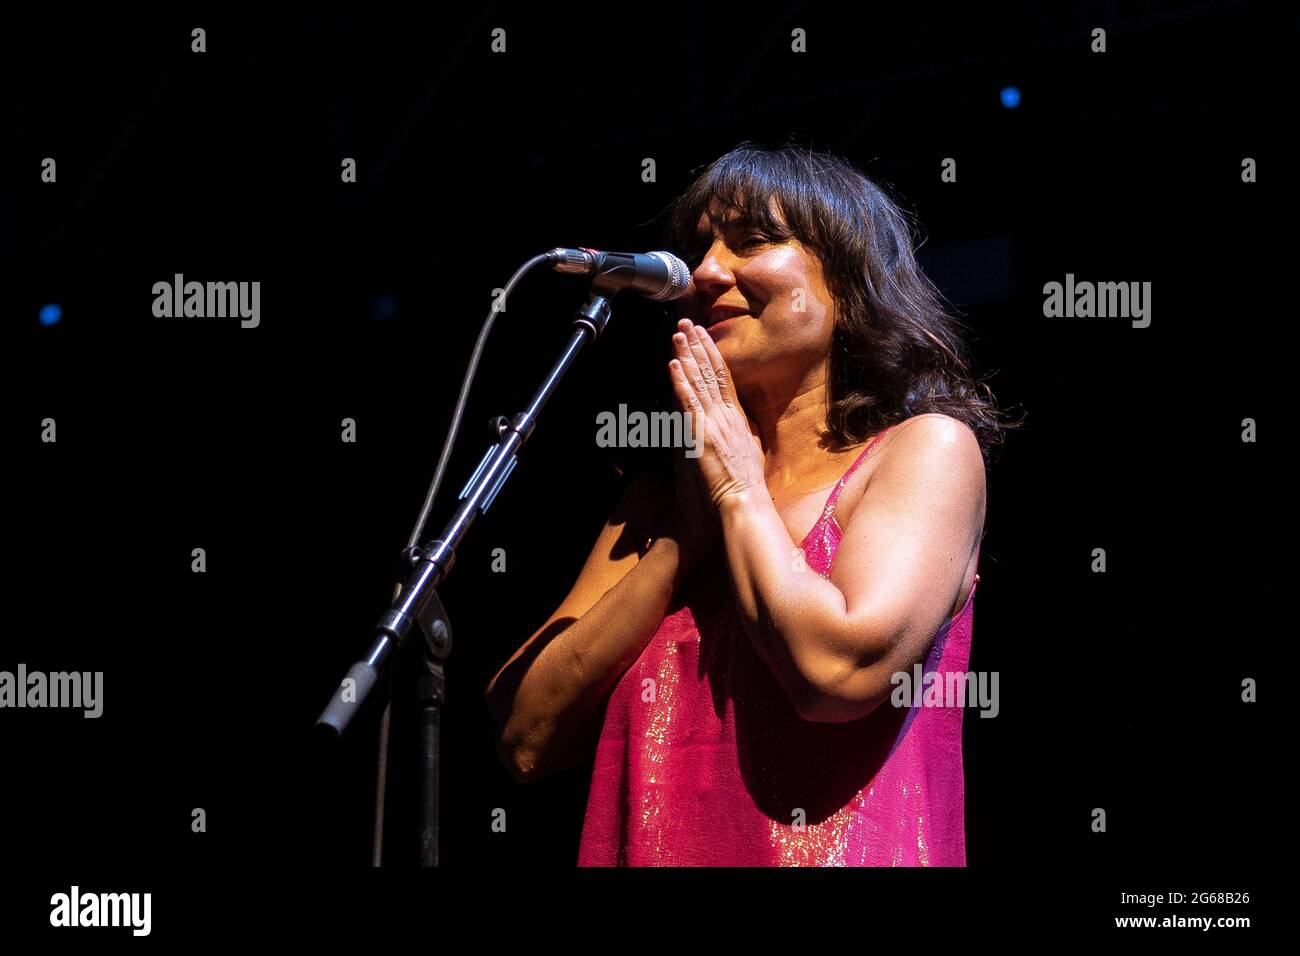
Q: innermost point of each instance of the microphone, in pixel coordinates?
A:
(659, 276)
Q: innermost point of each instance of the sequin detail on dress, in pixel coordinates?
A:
(702, 760)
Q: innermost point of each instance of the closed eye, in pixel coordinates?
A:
(752, 242)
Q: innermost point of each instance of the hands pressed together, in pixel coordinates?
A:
(729, 462)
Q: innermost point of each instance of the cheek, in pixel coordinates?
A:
(804, 324)
(810, 302)
(802, 311)
(816, 320)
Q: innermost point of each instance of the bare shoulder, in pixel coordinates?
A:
(934, 458)
(935, 434)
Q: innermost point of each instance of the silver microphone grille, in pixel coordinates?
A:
(680, 283)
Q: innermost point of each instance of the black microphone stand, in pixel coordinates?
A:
(417, 602)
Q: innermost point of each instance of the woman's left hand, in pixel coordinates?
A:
(729, 458)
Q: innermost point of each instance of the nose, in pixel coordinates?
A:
(715, 273)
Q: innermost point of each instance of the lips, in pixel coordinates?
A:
(722, 313)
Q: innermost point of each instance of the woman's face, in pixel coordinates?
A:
(765, 304)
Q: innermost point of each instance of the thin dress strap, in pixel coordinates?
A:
(835, 493)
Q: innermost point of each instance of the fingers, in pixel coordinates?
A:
(690, 367)
(695, 361)
(707, 369)
(682, 388)
(721, 374)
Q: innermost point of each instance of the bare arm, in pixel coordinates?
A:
(833, 643)
(547, 699)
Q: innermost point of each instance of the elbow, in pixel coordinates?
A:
(518, 753)
(833, 673)
(839, 692)
(843, 676)
(522, 765)
(519, 757)
(523, 740)
(509, 743)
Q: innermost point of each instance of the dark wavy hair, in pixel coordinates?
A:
(896, 351)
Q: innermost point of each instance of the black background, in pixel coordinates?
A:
(1118, 690)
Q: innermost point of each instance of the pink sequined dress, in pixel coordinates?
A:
(702, 760)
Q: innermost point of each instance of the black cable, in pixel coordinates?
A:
(385, 724)
(459, 412)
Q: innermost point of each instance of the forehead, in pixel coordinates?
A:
(735, 213)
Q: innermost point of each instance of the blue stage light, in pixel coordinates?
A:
(50, 314)
(384, 308)
(1010, 97)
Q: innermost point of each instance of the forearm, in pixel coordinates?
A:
(547, 697)
(797, 620)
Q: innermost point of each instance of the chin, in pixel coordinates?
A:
(727, 349)
(738, 362)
